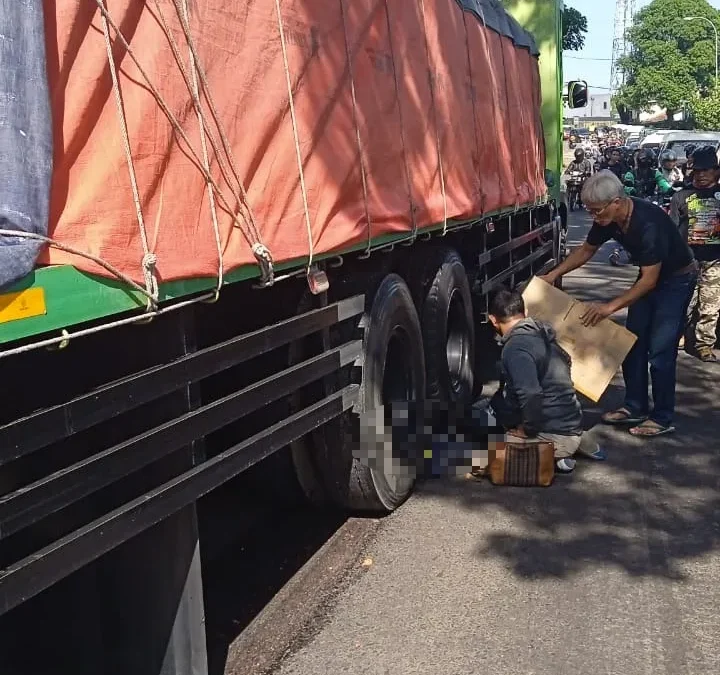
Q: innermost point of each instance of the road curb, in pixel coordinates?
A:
(298, 611)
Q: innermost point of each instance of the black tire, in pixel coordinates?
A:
(393, 368)
(448, 330)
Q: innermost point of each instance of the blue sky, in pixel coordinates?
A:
(598, 42)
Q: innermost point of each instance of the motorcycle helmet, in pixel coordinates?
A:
(579, 155)
(668, 156)
(645, 158)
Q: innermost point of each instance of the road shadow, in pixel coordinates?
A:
(652, 506)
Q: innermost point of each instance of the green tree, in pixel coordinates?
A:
(705, 110)
(574, 27)
(670, 60)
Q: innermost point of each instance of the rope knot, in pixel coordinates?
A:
(149, 262)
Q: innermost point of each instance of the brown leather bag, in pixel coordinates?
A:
(522, 464)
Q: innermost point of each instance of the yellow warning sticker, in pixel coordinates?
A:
(22, 305)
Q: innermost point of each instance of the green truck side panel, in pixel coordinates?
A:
(73, 297)
(543, 18)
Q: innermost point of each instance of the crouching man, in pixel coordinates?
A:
(537, 400)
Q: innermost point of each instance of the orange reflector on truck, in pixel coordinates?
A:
(22, 305)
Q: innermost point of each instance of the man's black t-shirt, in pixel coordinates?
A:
(652, 238)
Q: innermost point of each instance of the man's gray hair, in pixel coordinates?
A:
(602, 188)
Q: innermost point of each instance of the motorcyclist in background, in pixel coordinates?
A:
(614, 162)
(669, 167)
(645, 179)
(580, 164)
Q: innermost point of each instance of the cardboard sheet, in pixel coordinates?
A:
(597, 353)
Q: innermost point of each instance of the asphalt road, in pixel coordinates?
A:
(614, 570)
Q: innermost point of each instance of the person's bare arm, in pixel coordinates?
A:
(648, 280)
(577, 258)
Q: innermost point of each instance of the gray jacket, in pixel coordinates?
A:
(538, 387)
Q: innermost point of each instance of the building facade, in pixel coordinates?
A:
(598, 109)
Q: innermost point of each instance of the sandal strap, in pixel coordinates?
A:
(623, 412)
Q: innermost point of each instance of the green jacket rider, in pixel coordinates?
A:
(646, 179)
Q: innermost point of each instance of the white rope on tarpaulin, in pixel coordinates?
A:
(356, 122)
(296, 135)
(213, 108)
(261, 252)
(149, 259)
(206, 163)
(83, 254)
(475, 114)
(151, 291)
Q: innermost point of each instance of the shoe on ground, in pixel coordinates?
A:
(565, 465)
(706, 355)
(598, 454)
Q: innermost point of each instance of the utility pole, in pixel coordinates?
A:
(624, 13)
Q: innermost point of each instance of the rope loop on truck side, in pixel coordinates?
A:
(149, 260)
(242, 217)
(262, 254)
(83, 254)
(296, 134)
(206, 164)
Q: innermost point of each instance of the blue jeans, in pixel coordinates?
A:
(658, 320)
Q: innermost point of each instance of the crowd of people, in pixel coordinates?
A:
(676, 295)
(690, 195)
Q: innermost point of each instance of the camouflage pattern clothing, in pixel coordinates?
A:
(697, 214)
(705, 305)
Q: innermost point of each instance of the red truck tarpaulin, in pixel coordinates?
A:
(402, 113)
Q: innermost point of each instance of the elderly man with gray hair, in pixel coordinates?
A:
(657, 302)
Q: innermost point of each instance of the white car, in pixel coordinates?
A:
(654, 140)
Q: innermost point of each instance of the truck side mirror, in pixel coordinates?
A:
(577, 94)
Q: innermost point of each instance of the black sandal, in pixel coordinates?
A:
(626, 417)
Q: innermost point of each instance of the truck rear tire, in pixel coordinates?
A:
(449, 330)
(393, 369)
